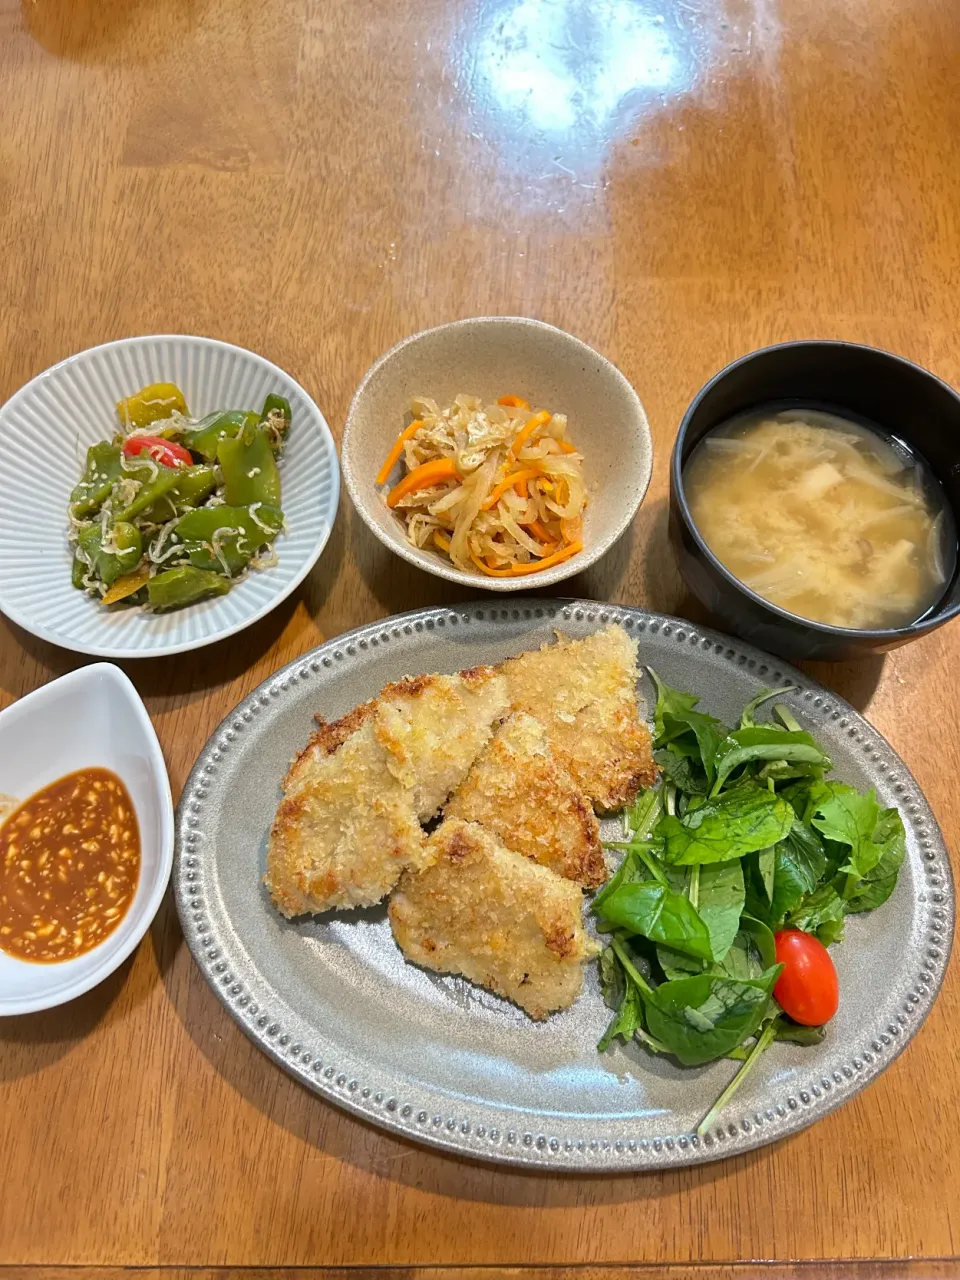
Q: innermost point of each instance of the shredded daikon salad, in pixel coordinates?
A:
(496, 487)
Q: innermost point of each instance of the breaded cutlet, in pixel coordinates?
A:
(432, 727)
(348, 824)
(518, 791)
(344, 832)
(484, 911)
(584, 693)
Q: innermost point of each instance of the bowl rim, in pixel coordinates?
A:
(927, 622)
(111, 652)
(413, 555)
(112, 959)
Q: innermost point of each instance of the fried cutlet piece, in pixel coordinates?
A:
(434, 727)
(584, 693)
(519, 793)
(344, 832)
(348, 824)
(494, 916)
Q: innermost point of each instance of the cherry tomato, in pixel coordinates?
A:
(807, 989)
(167, 452)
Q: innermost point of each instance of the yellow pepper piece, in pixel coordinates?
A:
(127, 585)
(151, 404)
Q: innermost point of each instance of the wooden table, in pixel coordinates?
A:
(676, 182)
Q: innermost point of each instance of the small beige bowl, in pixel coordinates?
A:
(491, 356)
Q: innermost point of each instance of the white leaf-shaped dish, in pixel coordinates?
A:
(90, 718)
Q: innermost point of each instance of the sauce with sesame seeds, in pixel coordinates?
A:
(69, 867)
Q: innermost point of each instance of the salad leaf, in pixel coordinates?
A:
(726, 827)
(627, 1020)
(845, 816)
(702, 1018)
(876, 887)
(794, 1033)
(820, 912)
(622, 995)
(747, 718)
(750, 1060)
(642, 815)
(767, 869)
(677, 965)
(720, 898)
(762, 939)
(784, 771)
(800, 863)
(743, 960)
(686, 773)
(660, 914)
(674, 717)
(630, 870)
(768, 743)
(799, 795)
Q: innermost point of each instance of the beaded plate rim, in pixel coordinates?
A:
(262, 1017)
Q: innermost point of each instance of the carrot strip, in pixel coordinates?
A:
(567, 448)
(518, 570)
(521, 488)
(533, 424)
(538, 531)
(383, 475)
(442, 542)
(423, 477)
(513, 402)
(497, 492)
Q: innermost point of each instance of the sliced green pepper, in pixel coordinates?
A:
(151, 404)
(249, 468)
(241, 535)
(102, 471)
(209, 431)
(275, 419)
(151, 490)
(124, 555)
(194, 484)
(185, 585)
(78, 572)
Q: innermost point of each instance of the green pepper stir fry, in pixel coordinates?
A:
(173, 509)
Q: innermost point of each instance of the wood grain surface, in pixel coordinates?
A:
(674, 181)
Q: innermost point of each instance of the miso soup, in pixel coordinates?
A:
(824, 517)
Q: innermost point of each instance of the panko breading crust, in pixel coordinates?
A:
(498, 918)
(344, 832)
(349, 821)
(584, 693)
(434, 727)
(518, 791)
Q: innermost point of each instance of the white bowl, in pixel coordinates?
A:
(491, 356)
(91, 718)
(45, 430)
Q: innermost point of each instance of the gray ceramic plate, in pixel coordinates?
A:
(440, 1061)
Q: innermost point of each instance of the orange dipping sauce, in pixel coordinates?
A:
(69, 867)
